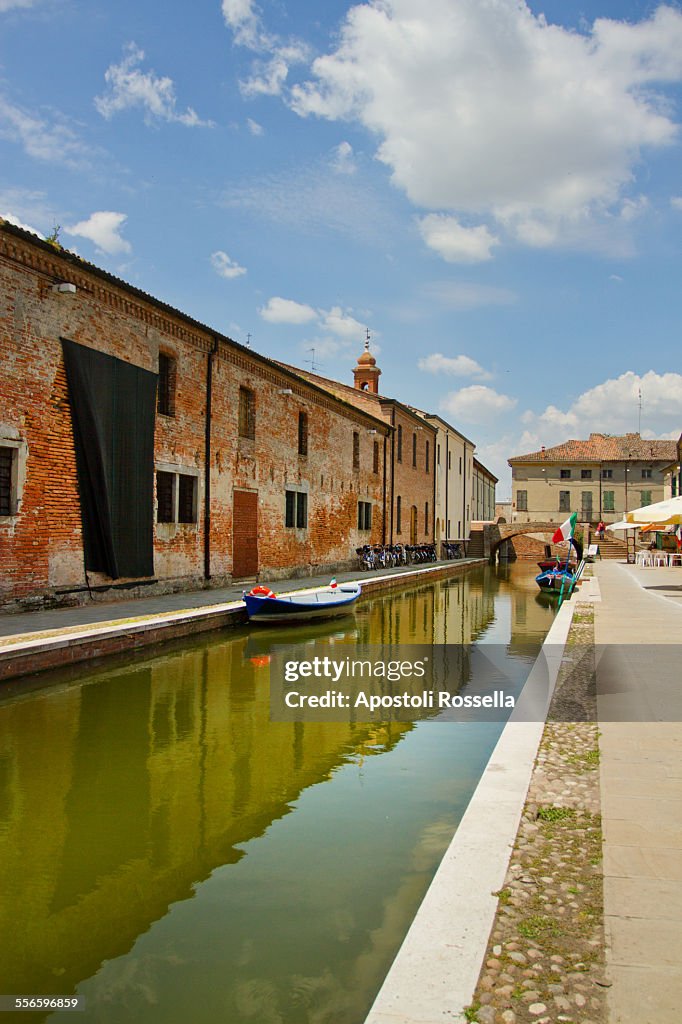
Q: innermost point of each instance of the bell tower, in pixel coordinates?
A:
(366, 373)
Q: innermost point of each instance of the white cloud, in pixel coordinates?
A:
(286, 311)
(103, 228)
(613, 407)
(342, 324)
(676, 202)
(254, 127)
(131, 87)
(225, 266)
(11, 219)
(477, 404)
(540, 127)
(10, 5)
(454, 242)
(343, 159)
(468, 294)
(454, 366)
(52, 140)
(242, 18)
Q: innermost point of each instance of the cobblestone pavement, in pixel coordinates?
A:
(545, 958)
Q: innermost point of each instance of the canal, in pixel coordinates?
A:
(170, 854)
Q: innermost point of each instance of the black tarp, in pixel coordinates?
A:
(113, 405)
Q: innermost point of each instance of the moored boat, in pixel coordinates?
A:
(263, 605)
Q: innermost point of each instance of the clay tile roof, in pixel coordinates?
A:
(603, 448)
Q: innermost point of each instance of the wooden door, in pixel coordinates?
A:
(413, 525)
(245, 534)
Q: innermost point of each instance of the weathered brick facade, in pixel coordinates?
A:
(41, 549)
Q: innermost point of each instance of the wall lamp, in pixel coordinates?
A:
(285, 391)
(64, 288)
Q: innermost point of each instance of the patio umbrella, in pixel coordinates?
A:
(623, 525)
(663, 513)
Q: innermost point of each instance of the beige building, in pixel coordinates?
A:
(672, 474)
(600, 478)
(454, 481)
(483, 493)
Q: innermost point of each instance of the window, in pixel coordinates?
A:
(187, 497)
(375, 460)
(247, 413)
(7, 486)
(398, 514)
(414, 449)
(364, 515)
(303, 433)
(400, 444)
(564, 501)
(646, 497)
(585, 474)
(587, 504)
(165, 395)
(296, 509)
(608, 499)
(565, 474)
(176, 497)
(426, 517)
(522, 501)
(438, 454)
(428, 452)
(607, 474)
(646, 474)
(356, 450)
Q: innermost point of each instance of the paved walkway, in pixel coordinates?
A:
(639, 620)
(20, 623)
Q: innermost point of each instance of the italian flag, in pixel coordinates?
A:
(565, 531)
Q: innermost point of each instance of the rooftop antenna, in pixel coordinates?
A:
(639, 423)
(313, 366)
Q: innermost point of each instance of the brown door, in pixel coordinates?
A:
(245, 533)
(413, 525)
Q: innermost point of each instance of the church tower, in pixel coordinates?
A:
(366, 373)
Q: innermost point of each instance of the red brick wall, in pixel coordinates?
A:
(41, 547)
(413, 484)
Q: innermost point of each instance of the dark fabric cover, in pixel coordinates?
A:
(113, 405)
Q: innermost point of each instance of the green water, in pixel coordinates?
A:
(169, 854)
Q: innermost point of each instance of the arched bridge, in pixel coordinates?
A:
(495, 534)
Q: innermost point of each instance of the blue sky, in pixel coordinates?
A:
(493, 189)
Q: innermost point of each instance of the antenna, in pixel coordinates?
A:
(313, 366)
(639, 423)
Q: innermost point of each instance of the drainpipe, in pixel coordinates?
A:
(383, 528)
(392, 470)
(464, 498)
(207, 460)
(447, 482)
(433, 505)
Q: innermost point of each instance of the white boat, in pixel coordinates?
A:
(263, 605)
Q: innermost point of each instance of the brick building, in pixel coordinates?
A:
(410, 452)
(600, 478)
(139, 447)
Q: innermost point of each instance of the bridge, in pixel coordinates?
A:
(495, 534)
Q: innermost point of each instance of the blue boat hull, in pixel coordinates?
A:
(304, 608)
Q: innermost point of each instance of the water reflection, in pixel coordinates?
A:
(147, 844)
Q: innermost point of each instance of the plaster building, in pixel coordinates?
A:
(483, 493)
(672, 474)
(600, 478)
(140, 448)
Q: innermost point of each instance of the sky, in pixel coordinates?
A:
(491, 188)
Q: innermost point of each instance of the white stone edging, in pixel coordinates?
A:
(434, 975)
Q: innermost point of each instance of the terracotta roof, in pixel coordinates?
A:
(604, 448)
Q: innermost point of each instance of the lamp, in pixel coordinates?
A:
(64, 288)
(285, 391)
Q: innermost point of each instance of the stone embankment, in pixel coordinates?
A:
(545, 958)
